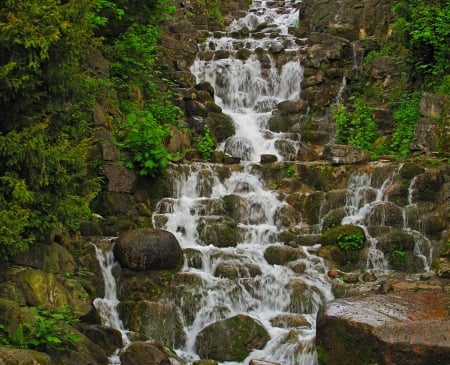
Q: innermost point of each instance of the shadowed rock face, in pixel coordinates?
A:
(148, 249)
(410, 327)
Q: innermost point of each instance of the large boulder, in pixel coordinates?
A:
(231, 339)
(148, 249)
(147, 353)
(157, 320)
(406, 327)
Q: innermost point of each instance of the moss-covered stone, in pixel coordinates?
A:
(231, 339)
(280, 255)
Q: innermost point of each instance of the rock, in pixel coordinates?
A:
(41, 288)
(10, 356)
(443, 268)
(108, 338)
(266, 158)
(280, 255)
(119, 178)
(156, 320)
(148, 249)
(221, 126)
(52, 258)
(140, 352)
(409, 327)
(290, 320)
(262, 362)
(217, 231)
(343, 154)
(231, 339)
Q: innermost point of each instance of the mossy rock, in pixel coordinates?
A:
(231, 339)
(10, 356)
(12, 316)
(409, 170)
(344, 244)
(218, 231)
(221, 126)
(52, 258)
(280, 255)
(157, 320)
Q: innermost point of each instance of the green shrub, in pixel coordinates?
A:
(357, 127)
(50, 329)
(424, 26)
(206, 144)
(406, 115)
(143, 138)
(346, 237)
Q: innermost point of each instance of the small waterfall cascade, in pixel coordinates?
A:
(107, 306)
(261, 69)
(367, 205)
(228, 273)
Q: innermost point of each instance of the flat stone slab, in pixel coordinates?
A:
(408, 327)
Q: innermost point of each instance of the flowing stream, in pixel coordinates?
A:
(225, 217)
(107, 306)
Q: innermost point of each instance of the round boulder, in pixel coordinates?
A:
(148, 249)
(231, 339)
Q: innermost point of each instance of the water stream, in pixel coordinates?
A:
(107, 306)
(225, 217)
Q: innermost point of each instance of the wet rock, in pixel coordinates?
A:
(231, 339)
(290, 320)
(262, 362)
(266, 158)
(147, 353)
(235, 270)
(148, 249)
(409, 327)
(280, 255)
(156, 320)
(343, 154)
(218, 231)
(221, 125)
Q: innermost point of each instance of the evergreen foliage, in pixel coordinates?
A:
(424, 26)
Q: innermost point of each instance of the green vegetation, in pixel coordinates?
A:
(50, 329)
(406, 115)
(423, 27)
(356, 127)
(206, 144)
(46, 98)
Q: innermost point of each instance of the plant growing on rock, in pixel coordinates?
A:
(356, 127)
(206, 144)
(50, 329)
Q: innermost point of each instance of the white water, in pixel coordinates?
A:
(248, 90)
(262, 291)
(107, 306)
(363, 198)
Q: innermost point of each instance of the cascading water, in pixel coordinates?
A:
(225, 218)
(248, 90)
(366, 205)
(107, 306)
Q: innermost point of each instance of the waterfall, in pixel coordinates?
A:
(225, 218)
(367, 204)
(249, 89)
(107, 306)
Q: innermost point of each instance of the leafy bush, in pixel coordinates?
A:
(406, 115)
(357, 127)
(424, 25)
(206, 144)
(143, 138)
(49, 330)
